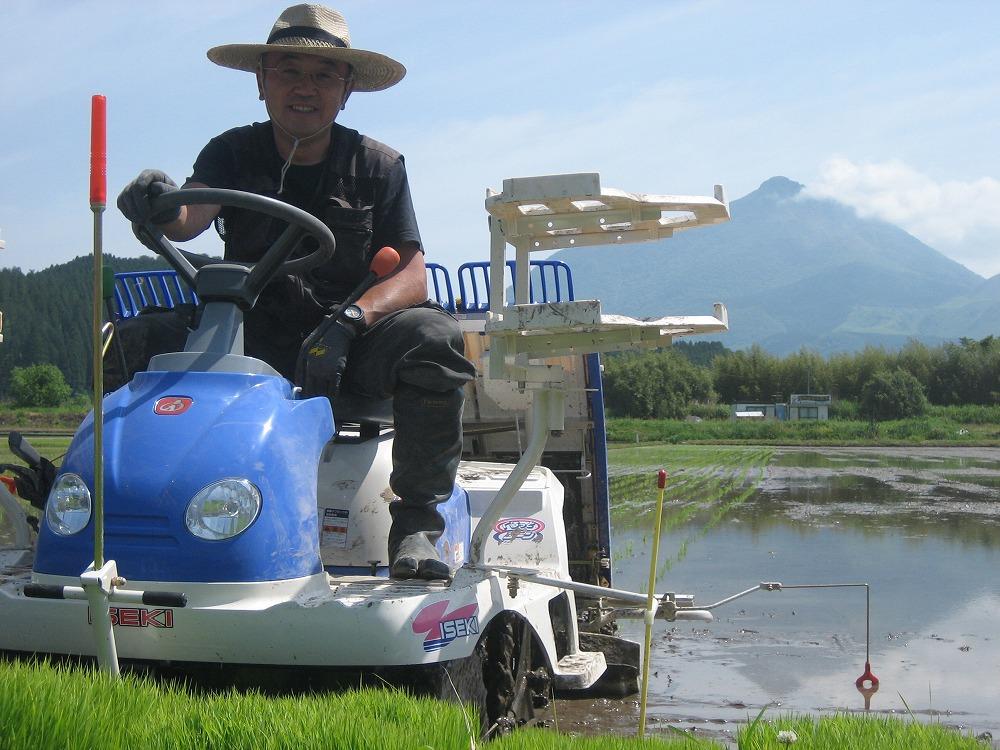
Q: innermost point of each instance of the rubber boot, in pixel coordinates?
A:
(414, 556)
(425, 455)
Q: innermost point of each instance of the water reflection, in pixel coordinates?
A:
(930, 555)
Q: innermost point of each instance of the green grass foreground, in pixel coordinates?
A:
(59, 707)
(851, 732)
(42, 706)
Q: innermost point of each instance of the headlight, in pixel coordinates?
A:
(67, 510)
(223, 509)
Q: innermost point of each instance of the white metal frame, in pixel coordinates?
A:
(563, 211)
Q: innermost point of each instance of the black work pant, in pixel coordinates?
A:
(417, 357)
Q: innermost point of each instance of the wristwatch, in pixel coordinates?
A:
(356, 317)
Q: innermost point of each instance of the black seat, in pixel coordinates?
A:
(370, 414)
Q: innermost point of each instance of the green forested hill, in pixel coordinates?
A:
(47, 317)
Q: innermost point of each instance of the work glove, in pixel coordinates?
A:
(326, 360)
(134, 200)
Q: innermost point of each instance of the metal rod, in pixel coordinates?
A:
(545, 403)
(117, 595)
(736, 596)
(98, 379)
(532, 576)
(98, 579)
(107, 335)
(661, 481)
(98, 201)
(776, 586)
(497, 303)
(868, 601)
(814, 585)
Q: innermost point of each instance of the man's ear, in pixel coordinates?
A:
(347, 93)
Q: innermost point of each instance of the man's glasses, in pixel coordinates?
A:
(289, 75)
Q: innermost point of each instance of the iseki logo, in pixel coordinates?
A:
(139, 617)
(442, 627)
(170, 406)
(518, 530)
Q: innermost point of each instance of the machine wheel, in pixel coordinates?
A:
(513, 683)
(501, 678)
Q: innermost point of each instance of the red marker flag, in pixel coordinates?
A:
(98, 151)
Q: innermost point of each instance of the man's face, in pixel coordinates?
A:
(303, 92)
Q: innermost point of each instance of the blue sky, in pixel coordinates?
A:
(892, 107)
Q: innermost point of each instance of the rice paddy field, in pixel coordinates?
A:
(50, 446)
(704, 484)
(710, 487)
(904, 519)
(43, 706)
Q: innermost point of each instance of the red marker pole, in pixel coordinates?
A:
(651, 604)
(98, 202)
(100, 579)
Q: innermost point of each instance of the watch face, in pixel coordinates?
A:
(353, 312)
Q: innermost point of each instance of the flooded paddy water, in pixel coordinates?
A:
(920, 525)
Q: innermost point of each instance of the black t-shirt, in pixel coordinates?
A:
(361, 192)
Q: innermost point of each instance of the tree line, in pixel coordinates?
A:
(47, 321)
(47, 318)
(663, 383)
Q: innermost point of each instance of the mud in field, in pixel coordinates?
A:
(920, 525)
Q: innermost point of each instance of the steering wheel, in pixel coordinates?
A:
(275, 260)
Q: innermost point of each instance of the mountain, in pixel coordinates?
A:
(975, 315)
(794, 271)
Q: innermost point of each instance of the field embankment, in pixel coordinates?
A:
(953, 425)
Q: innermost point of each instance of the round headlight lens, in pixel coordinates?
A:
(67, 511)
(223, 509)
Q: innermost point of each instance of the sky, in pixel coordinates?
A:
(890, 107)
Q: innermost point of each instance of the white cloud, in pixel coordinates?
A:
(952, 216)
(611, 138)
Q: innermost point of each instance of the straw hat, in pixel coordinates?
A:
(314, 30)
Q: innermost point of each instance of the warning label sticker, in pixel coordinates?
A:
(335, 527)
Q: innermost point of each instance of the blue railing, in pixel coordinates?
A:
(139, 289)
(550, 281)
(439, 286)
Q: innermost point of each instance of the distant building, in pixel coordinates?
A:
(809, 406)
(755, 411)
(799, 406)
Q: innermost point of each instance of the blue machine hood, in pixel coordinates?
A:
(169, 434)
